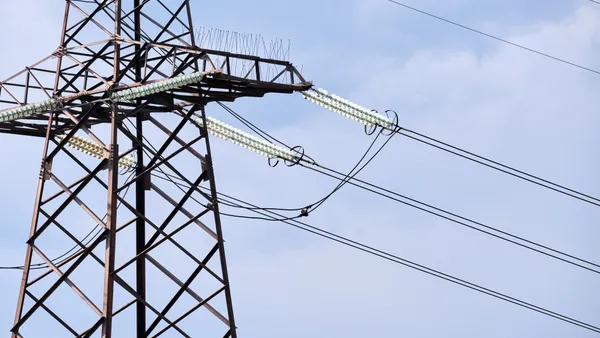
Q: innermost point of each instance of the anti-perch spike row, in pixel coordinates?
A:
(88, 147)
(245, 140)
(346, 108)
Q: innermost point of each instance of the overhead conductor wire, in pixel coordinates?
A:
(501, 167)
(305, 210)
(337, 104)
(454, 23)
(347, 177)
(228, 200)
(439, 212)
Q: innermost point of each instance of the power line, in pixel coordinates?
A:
(250, 125)
(228, 200)
(311, 207)
(457, 151)
(500, 167)
(441, 213)
(494, 37)
(352, 174)
(398, 260)
(364, 116)
(449, 216)
(340, 106)
(298, 224)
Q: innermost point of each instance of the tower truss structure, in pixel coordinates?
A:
(155, 262)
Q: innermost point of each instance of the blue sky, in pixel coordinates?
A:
(496, 100)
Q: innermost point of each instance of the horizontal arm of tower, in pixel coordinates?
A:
(83, 83)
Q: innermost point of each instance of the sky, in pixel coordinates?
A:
(496, 100)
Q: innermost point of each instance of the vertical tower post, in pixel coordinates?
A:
(140, 190)
(46, 165)
(221, 242)
(113, 184)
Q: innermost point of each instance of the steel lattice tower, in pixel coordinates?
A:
(113, 281)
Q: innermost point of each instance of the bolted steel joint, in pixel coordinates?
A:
(46, 170)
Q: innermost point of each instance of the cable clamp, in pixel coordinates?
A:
(304, 212)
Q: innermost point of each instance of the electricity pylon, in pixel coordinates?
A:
(129, 76)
